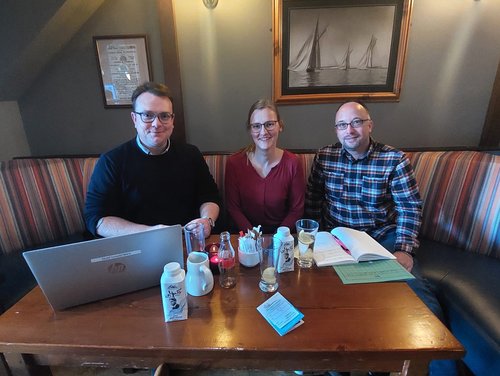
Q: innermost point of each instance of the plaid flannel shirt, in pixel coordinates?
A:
(374, 194)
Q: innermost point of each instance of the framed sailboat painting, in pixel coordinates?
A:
(335, 50)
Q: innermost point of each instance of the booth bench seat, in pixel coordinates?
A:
(42, 200)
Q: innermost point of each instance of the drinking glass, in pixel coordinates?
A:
(268, 248)
(306, 234)
(195, 238)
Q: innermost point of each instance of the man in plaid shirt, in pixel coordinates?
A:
(365, 185)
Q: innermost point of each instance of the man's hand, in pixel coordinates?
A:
(404, 259)
(207, 226)
(208, 210)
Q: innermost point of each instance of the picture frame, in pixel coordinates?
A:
(336, 50)
(123, 63)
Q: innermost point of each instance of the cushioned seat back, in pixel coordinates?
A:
(41, 200)
(217, 166)
(88, 168)
(461, 195)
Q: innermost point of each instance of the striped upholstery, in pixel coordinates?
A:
(461, 195)
(306, 159)
(217, 166)
(41, 200)
(88, 168)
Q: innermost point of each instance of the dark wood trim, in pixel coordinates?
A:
(491, 129)
(171, 66)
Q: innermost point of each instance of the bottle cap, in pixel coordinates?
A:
(225, 235)
(172, 269)
(283, 231)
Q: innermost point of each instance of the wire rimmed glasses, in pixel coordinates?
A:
(268, 126)
(355, 123)
(149, 116)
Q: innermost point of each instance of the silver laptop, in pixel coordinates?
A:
(84, 272)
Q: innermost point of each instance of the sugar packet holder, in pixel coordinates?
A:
(247, 247)
(247, 243)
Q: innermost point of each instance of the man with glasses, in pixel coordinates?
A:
(363, 184)
(150, 181)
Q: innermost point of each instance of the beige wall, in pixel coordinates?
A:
(226, 64)
(13, 142)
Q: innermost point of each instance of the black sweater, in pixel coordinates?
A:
(149, 189)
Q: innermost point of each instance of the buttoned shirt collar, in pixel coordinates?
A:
(351, 158)
(145, 150)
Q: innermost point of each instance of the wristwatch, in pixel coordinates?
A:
(211, 221)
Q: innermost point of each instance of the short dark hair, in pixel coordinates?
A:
(154, 88)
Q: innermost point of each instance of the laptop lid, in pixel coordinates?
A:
(78, 273)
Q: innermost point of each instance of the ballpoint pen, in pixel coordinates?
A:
(342, 245)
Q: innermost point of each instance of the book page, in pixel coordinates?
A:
(362, 246)
(328, 252)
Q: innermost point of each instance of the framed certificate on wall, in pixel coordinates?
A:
(123, 63)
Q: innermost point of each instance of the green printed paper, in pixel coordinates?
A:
(372, 271)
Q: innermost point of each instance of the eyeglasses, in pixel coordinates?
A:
(355, 123)
(268, 125)
(149, 117)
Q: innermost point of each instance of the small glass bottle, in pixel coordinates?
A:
(227, 262)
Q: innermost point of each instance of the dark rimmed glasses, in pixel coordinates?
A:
(268, 126)
(149, 116)
(355, 123)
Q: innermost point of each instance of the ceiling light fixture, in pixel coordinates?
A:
(210, 4)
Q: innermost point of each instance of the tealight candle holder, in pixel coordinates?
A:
(213, 257)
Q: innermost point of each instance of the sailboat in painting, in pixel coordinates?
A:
(315, 55)
(309, 55)
(325, 55)
(346, 59)
(366, 60)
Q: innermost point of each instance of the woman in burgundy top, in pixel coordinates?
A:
(264, 184)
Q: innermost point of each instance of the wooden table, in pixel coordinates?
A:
(379, 327)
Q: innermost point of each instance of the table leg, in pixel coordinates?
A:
(414, 368)
(4, 369)
(23, 365)
(162, 370)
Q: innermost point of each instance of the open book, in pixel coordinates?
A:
(347, 246)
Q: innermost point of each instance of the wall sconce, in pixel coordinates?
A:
(210, 4)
